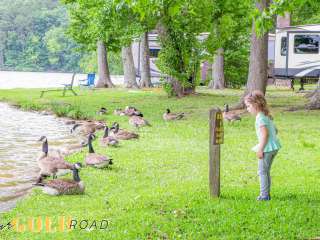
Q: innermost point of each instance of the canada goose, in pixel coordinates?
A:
(72, 148)
(229, 116)
(138, 121)
(119, 112)
(49, 165)
(87, 128)
(97, 124)
(83, 130)
(108, 140)
(94, 159)
(131, 111)
(168, 115)
(122, 134)
(64, 186)
(70, 122)
(102, 111)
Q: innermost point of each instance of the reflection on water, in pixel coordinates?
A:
(19, 149)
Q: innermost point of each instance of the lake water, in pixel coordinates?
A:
(9, 80)
(19, 149)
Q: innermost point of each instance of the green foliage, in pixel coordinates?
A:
(236, 66)
(33, 39)
(62, 109)
(90, 21)
(226, 20)
(167, 87)
(181, 50)
(179, 56)
(62, 51)
(306, 13)
(89, 62)
(178, 23)
(229, 24)
(28, 105)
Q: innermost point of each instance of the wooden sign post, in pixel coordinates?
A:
(216, 138)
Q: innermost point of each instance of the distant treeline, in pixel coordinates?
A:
(33, 37)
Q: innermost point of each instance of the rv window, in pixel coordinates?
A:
(306, 44)
(154, 52)
(283, 46)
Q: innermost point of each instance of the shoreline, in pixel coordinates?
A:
(18, 192)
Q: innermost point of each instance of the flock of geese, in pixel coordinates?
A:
(51, 162)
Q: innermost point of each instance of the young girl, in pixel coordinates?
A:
(268, 145)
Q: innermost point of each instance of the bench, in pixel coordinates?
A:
(67, 87)
(88, 82)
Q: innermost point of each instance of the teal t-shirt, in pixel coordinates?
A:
(273, 143)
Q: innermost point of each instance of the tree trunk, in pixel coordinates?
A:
(314, 98)
(217, 81)
(145, 61)
(128, 68)
(103, 68)
(284, 21)
(258, 66)
(177, 89)
(1, 59)
(3, 38)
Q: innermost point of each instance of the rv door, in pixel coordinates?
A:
(280, 54)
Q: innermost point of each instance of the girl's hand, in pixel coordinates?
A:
(260, 154)
(262, 141)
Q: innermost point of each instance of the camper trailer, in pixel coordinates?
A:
(297, 53)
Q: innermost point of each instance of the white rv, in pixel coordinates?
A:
(297, 52)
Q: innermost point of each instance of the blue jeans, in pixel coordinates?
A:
(264, 166)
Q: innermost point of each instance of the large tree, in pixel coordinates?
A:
(91, 25)
(178, 23)
(129, 68)
(144, 14)
(258, 65)
(257, 78)
(218, 79)
(145, 61)
(129, 26)
(226, 21)
(103, 66)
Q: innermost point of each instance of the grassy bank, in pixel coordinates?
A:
(158, 186)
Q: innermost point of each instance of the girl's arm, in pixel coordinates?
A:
(263, 141)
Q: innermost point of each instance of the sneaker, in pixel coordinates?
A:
(261, 198)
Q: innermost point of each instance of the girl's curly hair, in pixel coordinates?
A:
(257, 99)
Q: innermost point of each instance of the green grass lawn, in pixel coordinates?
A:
(158, 185)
